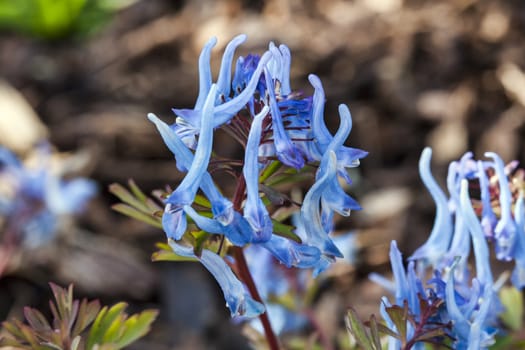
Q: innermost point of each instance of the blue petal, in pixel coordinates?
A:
(174, 221)
(481, 249)
(7, 158)
(285, 149)
(439, 240)
(319, 129)
(461, 324)
(505, 230)
(287, 62)
(254, 209)
(224, 79)
(68, 197)
(205, 73)
(310, 213)
(204, 223)
(224, 112)
(237, 299)
(221, 207)
(239, 231)
(518, 275)
(291, 253)
(187, 189)
(488, 218)
(400, 280)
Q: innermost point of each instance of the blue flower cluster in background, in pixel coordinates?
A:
(284, 136)
(32, 199)
(485, 205)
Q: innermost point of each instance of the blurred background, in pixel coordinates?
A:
(84, 73)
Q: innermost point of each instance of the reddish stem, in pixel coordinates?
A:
(246, 276)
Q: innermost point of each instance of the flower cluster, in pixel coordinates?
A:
(485, 205)
(284, 136)
(33, 198)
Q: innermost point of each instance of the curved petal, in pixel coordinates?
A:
(285, 149)
(291, 253)
(505, 230)
(254, 209)
(224, 78)
(481, 249)
(439, 240)
(205, 73)
(237, 299)
(187, 189)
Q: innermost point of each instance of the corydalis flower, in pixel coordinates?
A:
(494, 191)
(277, 128)
(33, 198)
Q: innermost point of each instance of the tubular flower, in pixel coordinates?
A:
(495, 188)
(33, 199)
(485, 205)
(439, 240)
(255, 105)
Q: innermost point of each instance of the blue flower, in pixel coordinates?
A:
(275, 126)
(439, 240)
(347, 157)
(470, 326)
(505, 230)
(237, 298)
(37, 197)
(518, 275)
(275, 282)
(254, 209)
(488, 218)
(285, 149)
(316, 234)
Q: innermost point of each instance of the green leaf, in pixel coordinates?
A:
(271, 169)
(290, 176)
(374, 332)
(202, 201)
(284, 230)
(136, 327)
(137, 192)
(75, 343)
(13, 329)
(127, 210)
(429, 334)
(115, 330)
(357, 329)
(104, 319)
(512, 300)
(399, 316)
(86, 315)
(36, 320)
(127, 197)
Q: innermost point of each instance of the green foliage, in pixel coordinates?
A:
(136, 204)
(53, 19)
(368, 334)
(512, 300)
(111, 329)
